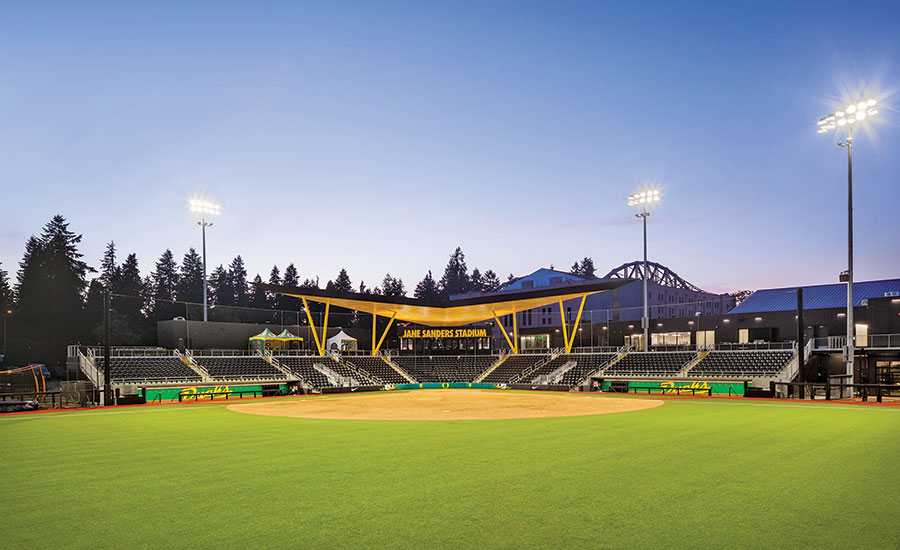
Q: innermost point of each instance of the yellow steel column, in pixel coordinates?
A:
(505, 335)
(374, 329)
(312, 325)
(324, 338)
(575, 326)
(515, 333)
(562, 318)
(383, 334)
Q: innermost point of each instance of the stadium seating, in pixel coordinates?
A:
(742, 363)
(377, 368)
(158, 368)
(587, 364)
(303, 367)
(513, 367)
(653, 363)
(238, 367)
(444, 368)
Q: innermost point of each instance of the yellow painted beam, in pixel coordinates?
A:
(319, 345)
(515, 333)
(571, 340)
(383, 334)
(374, 329)
(512, 348)
(324, 338)
(562, 319)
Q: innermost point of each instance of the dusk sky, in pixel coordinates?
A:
(379, 136)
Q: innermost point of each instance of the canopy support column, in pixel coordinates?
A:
(513, 344)
(377, 346)
(569, 339)
(320, 342)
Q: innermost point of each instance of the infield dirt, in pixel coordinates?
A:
(445, 405)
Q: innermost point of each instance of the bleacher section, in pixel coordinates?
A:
(444, 368)
(377, 368)
(742, 363)
(587, 363)
(513, 367)
(362, 378)
(224, 368)
(157, 368)
(653, 363)
(303, 367)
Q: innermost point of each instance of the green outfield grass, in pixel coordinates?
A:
(692, 473)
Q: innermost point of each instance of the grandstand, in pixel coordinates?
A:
(444, 368)
(157, 369)
(650, 364)
(742, 363)
(237, 367)
(377, 369)
(513, 367)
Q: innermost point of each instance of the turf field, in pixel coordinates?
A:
(691, 473)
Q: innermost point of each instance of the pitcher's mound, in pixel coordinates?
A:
(446, 405)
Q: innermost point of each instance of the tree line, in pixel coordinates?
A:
(57, 298)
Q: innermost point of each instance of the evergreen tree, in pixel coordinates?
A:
(163, 287)
(274, 279)
(585, 268)
(427, 289)
(190, 278)
(392, 287)
(476, 282)
(258, 296)
(456, 277)
(490, 282)
(6, 294)
(220, 287)
(291, 278)
(93, 310)
(237, 275)
(109, 269)
(51, 284)
(342, 284)
(129, 299)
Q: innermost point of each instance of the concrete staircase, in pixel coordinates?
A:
(534, 368)
(696, 360)
(270, 359)
(557, 375)
(502, 359)
(188, 360)
(620, 354)
(398, 368)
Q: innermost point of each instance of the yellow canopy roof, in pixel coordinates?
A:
(450, 312)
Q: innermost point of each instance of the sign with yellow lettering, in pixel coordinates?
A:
(440, 333)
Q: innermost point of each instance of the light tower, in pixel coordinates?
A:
(838, 121)
(204, 209)
(644, 201)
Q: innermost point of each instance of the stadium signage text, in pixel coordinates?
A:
(435, 333)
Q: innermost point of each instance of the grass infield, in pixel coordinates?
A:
(691, 473)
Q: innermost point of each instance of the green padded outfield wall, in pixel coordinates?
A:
(443, 385)
(672, 386)
(171, 394)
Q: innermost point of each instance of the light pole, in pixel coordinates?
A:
(204, 209)
(840, 120)
(644, 201)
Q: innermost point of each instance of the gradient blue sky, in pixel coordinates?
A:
(378, 136)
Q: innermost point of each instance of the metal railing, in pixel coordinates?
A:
(889, 341)
(751, 346)
(830, 343)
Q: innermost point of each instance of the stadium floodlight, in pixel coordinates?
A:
(644, 201)
(204, 209)
(847, 119)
